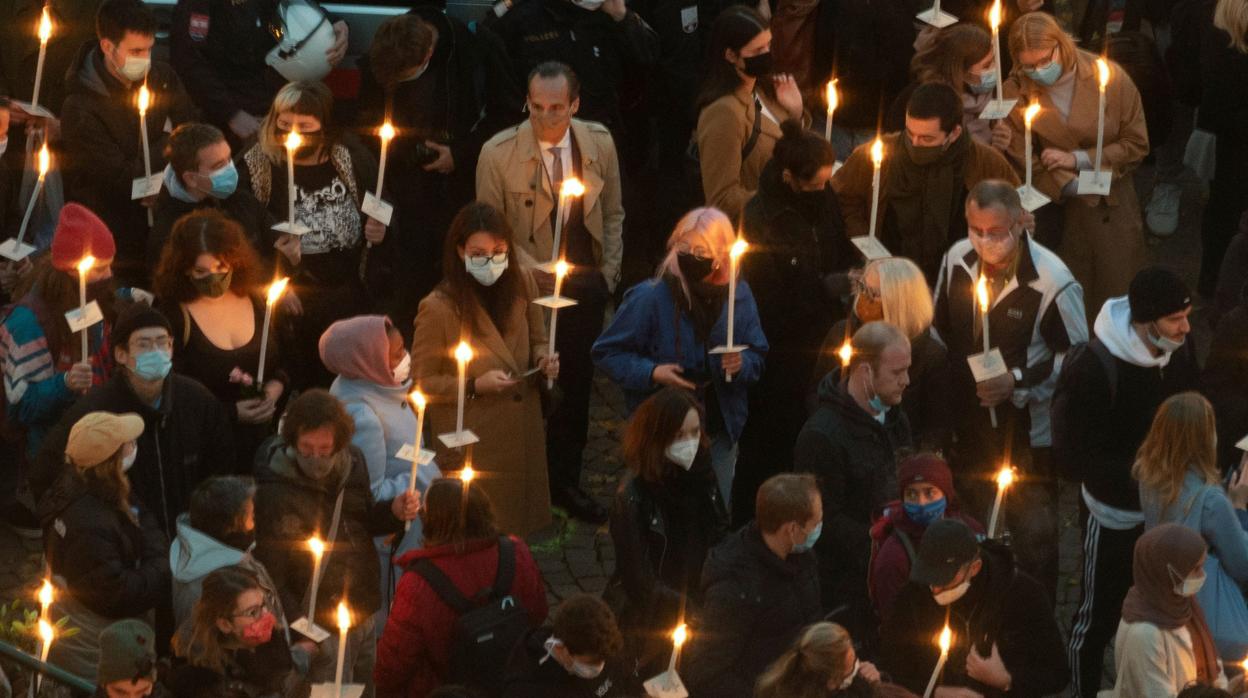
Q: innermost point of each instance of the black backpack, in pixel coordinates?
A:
(488, 626)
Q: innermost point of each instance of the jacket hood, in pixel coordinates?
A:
(742, 551)
(277, 464)
(84, 71)
(65, 490)
(448, 550)
(194, 554)
(1113, 327)
(358, 348)
(831, 395)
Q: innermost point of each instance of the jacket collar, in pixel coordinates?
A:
(528, 150)
(448, 550)
(1024, 274)
(159, 412)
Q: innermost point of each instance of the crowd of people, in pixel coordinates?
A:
(240, 411)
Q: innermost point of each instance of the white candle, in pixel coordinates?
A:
(561, 270)
(1005, 477)
(418, 399)
(145, 100)
(945, 640)
(981, 293)
(46, 634)
(463, 354)
(317, 546)
(569, 189)
(344, 624)
(467, 475)
(84, 268)
(34, 195)
(1102, 68)
(1028, 116)
(387, 134)
(276, 289)
(832, 103)
(45, 33)
(877, 157)
(293, 141)
(45, 598)
(679, 635)
(734, 262)
(994, 18)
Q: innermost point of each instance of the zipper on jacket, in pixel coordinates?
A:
(160, 471)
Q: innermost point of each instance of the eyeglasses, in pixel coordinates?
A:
(699, 251)
(1044, 64)
(480, 260)
(143, 344)
(862, 289)
(253, 613)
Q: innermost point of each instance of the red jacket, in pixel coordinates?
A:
(890, 565)
(414, 650)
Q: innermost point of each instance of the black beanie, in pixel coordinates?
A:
(1155, 293)
(134, 317)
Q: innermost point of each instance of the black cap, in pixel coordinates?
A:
(1156, 292)
(947, 545)
(134, 317)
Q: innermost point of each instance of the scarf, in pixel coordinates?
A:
(358, 348)
(922, 200)
(1152, 598)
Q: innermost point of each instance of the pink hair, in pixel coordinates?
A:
(712, 224)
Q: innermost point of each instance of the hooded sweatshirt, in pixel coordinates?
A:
(194, 555)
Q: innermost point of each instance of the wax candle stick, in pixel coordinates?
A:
(463, 354)
(145, 101)
(945, 640)
(994, 19)
(293, 141)
(84, 268)
(985, 305)
(387, 134)
(45, 598)
(679, 635)
(418, 399)
(1005, 477)
(561, 270)
(45, 33)
(276, 289)
(832, 104)
(34, 195)
(569, 189)
(1102, 68)
(317, 546)
(877, 158)
(46, 635)
(344, 625)
(1028, 116)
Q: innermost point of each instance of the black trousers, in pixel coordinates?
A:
(1107, 556)
(568, 426)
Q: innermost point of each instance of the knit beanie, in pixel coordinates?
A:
(127, 652)
(136, 316)
(1155, 293)
(929, 468)
(79, 233)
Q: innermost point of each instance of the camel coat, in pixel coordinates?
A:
(724, 126)
(1103, 236)
(511, 455)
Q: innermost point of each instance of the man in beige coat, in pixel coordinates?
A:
(520, 172)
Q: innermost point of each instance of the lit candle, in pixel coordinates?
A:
(679, 635)
(34, 195)
(945, 639)
(1005, 477)
(293, 141)
(1102, 68)
(463, 354)
(877, 157)
(981, 294)
(344, 624)
(45, 598)
(568, 190)
(276, 289)
(46, 634)
(145, 101)
(832, 102)
(45, 33)
(418, 399)
(846, 352)
(1028, 117)
(387, 134)
(561, 270)
(84, 268)
(994, 19)
(734, 265)
(317, 546)
(467, 475)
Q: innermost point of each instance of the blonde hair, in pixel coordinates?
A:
(904, 295)
(710, 223)
(1038, 30)
(820, 656)
(107, 480)
(1183, 438)
(1231, 16)
(304, 98)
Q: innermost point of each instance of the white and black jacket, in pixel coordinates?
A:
(1033, 321)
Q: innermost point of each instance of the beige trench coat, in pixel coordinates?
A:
(724, 127)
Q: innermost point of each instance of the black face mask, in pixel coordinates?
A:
(240, 540)
(757, 66)
(312, 142)
(101, 289)
(694, 268)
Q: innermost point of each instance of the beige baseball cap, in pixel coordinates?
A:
(98, 435)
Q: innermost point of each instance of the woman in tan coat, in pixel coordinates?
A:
(485, 299)
(1102, 237)
(740, 108)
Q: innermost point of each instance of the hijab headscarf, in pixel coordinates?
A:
(1153, 599)
(358, 348)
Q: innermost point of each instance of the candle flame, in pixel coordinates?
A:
(387, 131)
(1102, 69)
(293, 140)
(994, 14)
(45, 593)
(418, 398)
(317, 546)
(981, 292)
(946, 638)
(344, 616)
(85, 265)
(45, 26)
(561, 269)
(467, 474)
(571, 187)
(877, 152)
(846, 352)
(145, 98)
(277, 288)
(833, 101)
(738, 248)
(680, 634)
(1032, 110)
(43, 160)
(1005, 477)
(46, 633)
(463, 353)
(1244, 664)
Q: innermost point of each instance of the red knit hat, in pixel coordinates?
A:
(929, 468)
(79, 232)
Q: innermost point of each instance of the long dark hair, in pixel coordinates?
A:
(950, 55)
(733, 29)
(653, 426)
(465, 293)
(221, 590)
(204, 232)
(57, 293)
(447, 517)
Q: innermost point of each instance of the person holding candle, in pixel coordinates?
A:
(311, 480)
(72, 25)
(208, 283)
(127, 667)
(1101, 238)
(102, 150)
(462, 542)
(580, 656)
(663, 331)
(926, 172)
(1035, 315)
(822, 663)
(107, 553)
(1005, 639)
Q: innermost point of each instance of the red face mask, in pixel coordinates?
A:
(260, 631)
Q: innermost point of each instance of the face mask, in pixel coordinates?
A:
(693, 267)
(683, 452)
(153, 365)
(260, 631)
(315, 467)
(949, 596)
(488, 274)
(875, 402)
(416, 75)
(1165, 344)
(590, 5)
(987, 82)
(128, 462)
(925, 514)
(925, 154)
(224, 181)
(811, 539)
(588, 671)
(135, 68)
(100, 289)
(241, 540)
(849, 680)
(213, 285)
(867, 310)
(404, 370)
(757, 66)
(311, 142)
(1189, 586)
(1047, 75)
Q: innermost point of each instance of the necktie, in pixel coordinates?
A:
(556, 180)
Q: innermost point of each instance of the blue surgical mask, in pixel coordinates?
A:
(925, 514)
(1047, 75)
(987, 82)
(876, 403)
(153, 365)
(1165, 344)
(811, 539)
(224, 181)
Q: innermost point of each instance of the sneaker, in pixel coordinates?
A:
(1163, 209)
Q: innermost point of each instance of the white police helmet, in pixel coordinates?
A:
(303, 35)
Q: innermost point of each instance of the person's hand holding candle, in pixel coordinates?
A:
(406, 506)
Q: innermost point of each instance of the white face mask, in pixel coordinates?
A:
(127, 462)
(584, 671)
(683, 452)
(1190, 586)
(135, 68)
(849, 680)
(404, 370)
(949, 596)
(590, 5)
(488, 274)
